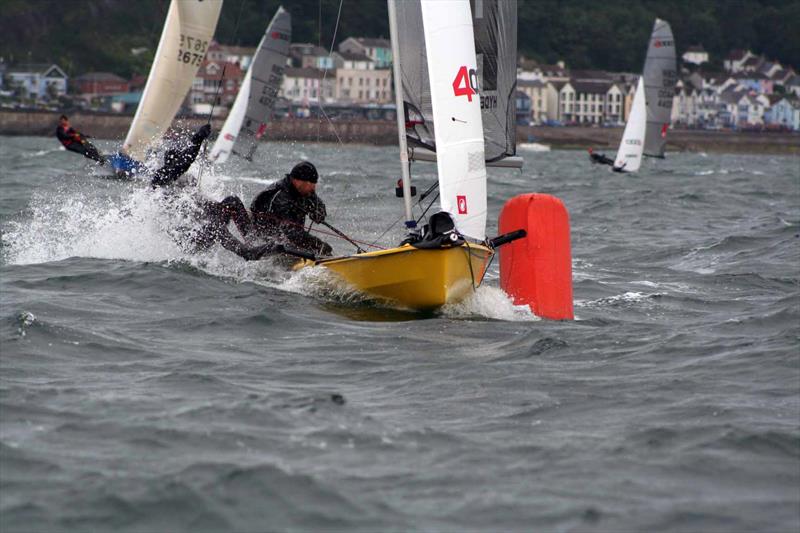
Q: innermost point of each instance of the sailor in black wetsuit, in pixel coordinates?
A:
(600, 158)
(75, 141)
(213, 216)
(279, 212)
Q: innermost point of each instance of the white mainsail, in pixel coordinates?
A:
(455, 102)
(660, 76)
(629, 155)
(230, 130)
(187, 33)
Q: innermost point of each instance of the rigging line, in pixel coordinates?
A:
(325, 71)
(320, 231)
(429, 206)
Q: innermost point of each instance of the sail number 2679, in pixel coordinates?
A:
(466, 83)
(192, 50)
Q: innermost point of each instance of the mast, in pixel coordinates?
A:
(401, 124)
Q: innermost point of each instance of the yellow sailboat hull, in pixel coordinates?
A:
(413, 278)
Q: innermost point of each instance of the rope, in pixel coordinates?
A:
(325, 72)
(321, 232)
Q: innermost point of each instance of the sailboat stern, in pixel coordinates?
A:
(537, 270)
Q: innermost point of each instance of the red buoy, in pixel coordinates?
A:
(537, 270)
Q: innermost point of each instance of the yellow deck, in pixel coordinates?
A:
(411, 277)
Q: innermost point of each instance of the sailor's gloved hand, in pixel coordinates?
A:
(318, 217)
(202, 134)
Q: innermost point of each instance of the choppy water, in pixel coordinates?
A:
(142, 389)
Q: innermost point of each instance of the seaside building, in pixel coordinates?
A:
(40, 81)
(379, 50)
(94, 84)
(358, 81)
(307, 86)
(206, 87)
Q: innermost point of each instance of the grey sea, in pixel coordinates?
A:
(143, 388)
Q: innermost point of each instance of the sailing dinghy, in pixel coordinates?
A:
(184, 41)
(256, 99)
(443, 99)
(646, 130)
(660, 76)
(631, 146)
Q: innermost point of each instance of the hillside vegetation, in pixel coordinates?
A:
(98, 35)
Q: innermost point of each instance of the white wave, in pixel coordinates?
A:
(40, 153)
(492, 303)
(60, 227)
(703, 172)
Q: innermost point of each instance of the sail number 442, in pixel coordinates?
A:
(466, 83)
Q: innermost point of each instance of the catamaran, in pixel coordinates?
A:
(188, 30)
(646, 130)
(255, 101)
(457, 109)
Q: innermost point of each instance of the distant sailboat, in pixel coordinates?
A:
(184, 41)
(256, 98)
(646, 130)
(660, 76)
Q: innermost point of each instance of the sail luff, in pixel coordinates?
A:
(455, 102)
(660, 75)
(223, 146)
(188, 30)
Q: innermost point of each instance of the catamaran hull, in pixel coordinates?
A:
(414, 278)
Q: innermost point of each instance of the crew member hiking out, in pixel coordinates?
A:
(75, 141)
(212, 216)
(279, 212)
(600, 158)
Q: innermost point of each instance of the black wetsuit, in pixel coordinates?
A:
(279, 213)
(74, 141)
(213, 216)
(601, 158)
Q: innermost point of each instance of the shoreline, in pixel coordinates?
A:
(384, 133)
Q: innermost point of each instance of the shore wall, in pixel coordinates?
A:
(114, 126)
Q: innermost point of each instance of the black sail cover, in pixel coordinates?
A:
(495, 28)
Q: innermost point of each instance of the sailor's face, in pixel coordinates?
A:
(65, 122)
(304, 188)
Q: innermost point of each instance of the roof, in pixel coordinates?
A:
(530, 83)
(752, 62)
(347, 56)
(291, 72)
(736, 55)
(38, 68)
(100, 76)
(590, 75)
(591, 87)
(558, 85)
(750, 76)
(698, 48)
(527, 64)
(308, 49)
(373, 42)
(127, 98)
(237, 50)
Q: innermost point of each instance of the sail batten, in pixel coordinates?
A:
(256, 99)
(660, 75)
(187, 33)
